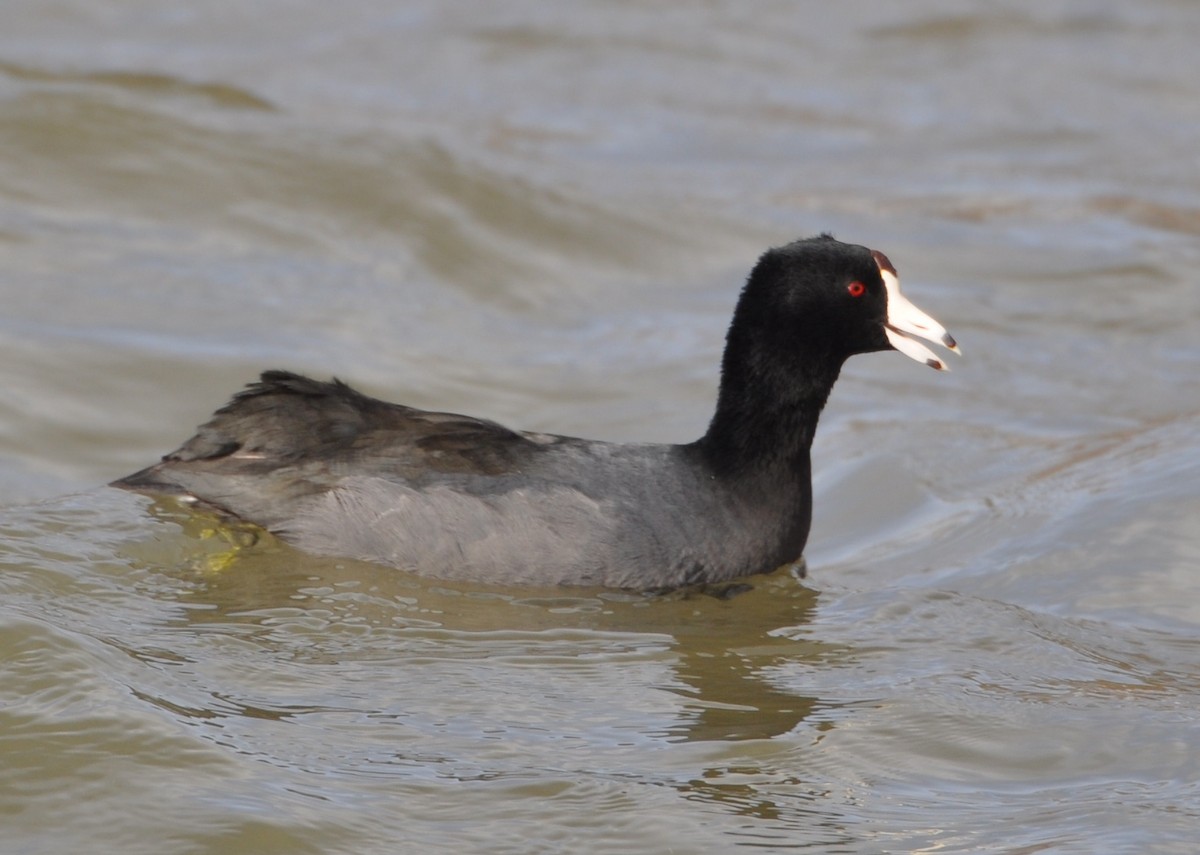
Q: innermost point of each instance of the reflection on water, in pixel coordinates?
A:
(241, 578)
(407, 678)
(775, 713)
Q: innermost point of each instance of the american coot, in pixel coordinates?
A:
(338, 473)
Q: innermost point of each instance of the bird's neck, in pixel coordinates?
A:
(765, 421)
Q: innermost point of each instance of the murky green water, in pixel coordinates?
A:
(541, 214)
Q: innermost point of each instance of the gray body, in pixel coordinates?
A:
(640, 516)
(339, 473)
(461, 498)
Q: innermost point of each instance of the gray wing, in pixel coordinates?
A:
(288, 437)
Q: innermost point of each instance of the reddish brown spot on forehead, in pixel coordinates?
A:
(883, 262)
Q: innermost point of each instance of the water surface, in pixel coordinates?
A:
(542, 215)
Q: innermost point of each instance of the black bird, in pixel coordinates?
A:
(338, 473)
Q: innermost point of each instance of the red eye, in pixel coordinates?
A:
(856, 289)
